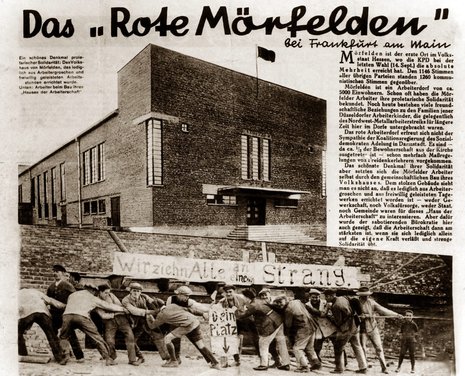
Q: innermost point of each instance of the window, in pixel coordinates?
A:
(286, 203)
(100, 162)
(154, 152)
(20, 193)
(221, 200)
(53, 179)
(266, 159)
(33, 192)
(39, 206)
(93, 164)
(323, 173)
(62, 182)
(101, 206)
(255, 158)
(46, 212)
(86, 167)
(94, 207)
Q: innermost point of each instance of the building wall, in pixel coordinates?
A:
(68, 156)
(219, 105)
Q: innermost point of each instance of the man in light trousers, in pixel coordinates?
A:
(369, 327)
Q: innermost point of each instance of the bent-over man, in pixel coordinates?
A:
(33, 309)
(184, 322)
(269, 325)
(77, 316)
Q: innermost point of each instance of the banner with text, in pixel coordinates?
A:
(146, 266)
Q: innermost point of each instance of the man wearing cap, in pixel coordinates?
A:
(180, 299)
(60, 290)
(347, 331)
(75, 280)
(265, 294)
(33, 309)
(269, 325)
(77, 316)
(114, 322)
(139, 306)
(184, 323)
(239, 301)
(301, 327)
(320, 310)
(369, 327)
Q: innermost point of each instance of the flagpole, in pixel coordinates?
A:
(256, 70)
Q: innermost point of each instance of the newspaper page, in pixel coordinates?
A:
(293, 146)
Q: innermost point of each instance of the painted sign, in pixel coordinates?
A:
(223, 330)
(304, 275)
(139, 265)
(146, 266)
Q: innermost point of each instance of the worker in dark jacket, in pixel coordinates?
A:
(302, 327)
(139, 306)
(343, 315)
(269, 325)
(60, 290)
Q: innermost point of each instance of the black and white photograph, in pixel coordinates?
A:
(232, 188)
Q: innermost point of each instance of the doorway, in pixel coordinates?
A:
(256, 211)
(115, 212)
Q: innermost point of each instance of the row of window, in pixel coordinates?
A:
(255, 158)
(93, 207)
(43, 188)
(231, 201)
(93, 164)
(255, 165)
(255, 155)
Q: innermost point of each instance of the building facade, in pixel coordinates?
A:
(191, 144)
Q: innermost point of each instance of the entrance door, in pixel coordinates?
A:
(63, 215)
(256, 209)
(115, 212)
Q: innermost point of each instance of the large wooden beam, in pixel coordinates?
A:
(42, 359)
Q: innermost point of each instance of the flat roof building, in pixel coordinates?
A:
(191, 145)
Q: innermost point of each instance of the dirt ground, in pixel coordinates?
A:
(196, 366)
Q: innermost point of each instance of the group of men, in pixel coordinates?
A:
(272, 324)
(137, 313)
(308, 322)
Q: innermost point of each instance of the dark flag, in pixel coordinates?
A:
(265, 54)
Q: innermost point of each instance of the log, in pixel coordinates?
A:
(41, 359)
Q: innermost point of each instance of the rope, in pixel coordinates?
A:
(395, 271)
(414, 317)
(412, 275)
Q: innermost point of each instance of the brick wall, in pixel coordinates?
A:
(91, 250)
(219, 105)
